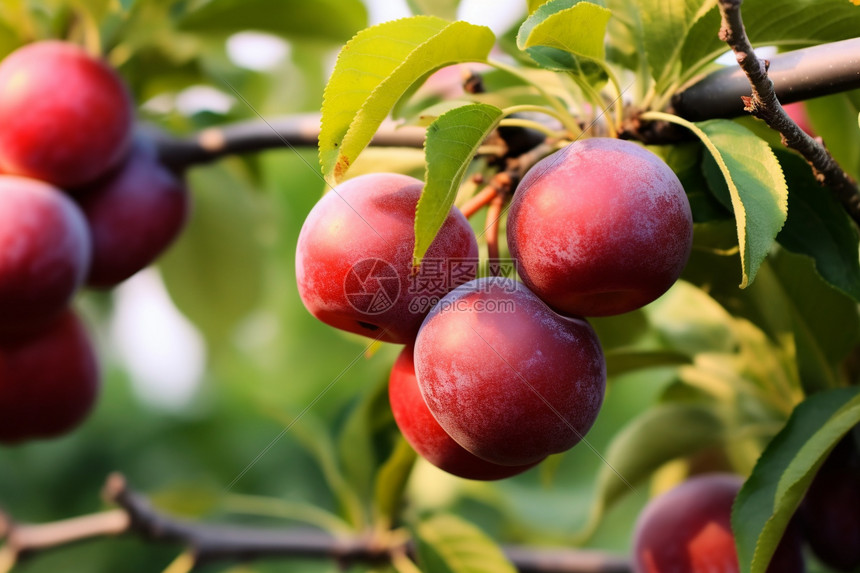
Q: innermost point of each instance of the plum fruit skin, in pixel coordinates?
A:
(688, 530)
(797, 112)
(426, 436)
(66, 116)
(372, 217)
(134, 214)
(45, 253)
(601, 227)
(512, 386)
(48, 382)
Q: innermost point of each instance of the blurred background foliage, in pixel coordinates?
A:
(210, 358)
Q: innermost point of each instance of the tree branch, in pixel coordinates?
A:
(764, 105)
(798, 75)
(214, 543)
(300, 130)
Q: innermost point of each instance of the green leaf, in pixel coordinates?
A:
(573, 27)
(819, 227)
(535, 4)
(368, 419)
(647, 443)
(191, 500)
(829, 115)
(567, 35)
(446, 9)
(375, 68)
(620, 330)
(691, 322)
(685, 159)
(9, 39)
(626, 40)
(334, 20)
(622, 361)
(449, 148)
(814, 307)
(314, 436)
(799, 23)
(405, 160)
(301, 511)
(666, 25)
(784, 471)
(391, 480)
(95, 9)
(447, 544)
(750, 182)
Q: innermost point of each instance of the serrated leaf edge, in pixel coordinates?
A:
(454, 183)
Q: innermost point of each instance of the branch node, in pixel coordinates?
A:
(212, 139)
(114, 487)
(764, 105)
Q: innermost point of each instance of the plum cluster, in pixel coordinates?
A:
(82, 203)
(497, 374)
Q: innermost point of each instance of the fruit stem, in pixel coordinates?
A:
(618, 102)
(562, 113)
(529, 124)
(491, 229)
(479, 200)
(597, 101)
(526, 108)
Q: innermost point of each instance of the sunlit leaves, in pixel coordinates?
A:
(799, 23)
(647, 443)
(561, 32)
(334, 20)
(373, 71)
(818, 226)
(755, 185)
(447, 544)
(451, 143)
(666, 24)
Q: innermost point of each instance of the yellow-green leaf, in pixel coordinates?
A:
(750, 182)
(443, 8)
(666, 25)
(451, 143)
(647, 443)
(535, 4)
(447, 544)
(800, 23)
(375, 68)
(579, 28)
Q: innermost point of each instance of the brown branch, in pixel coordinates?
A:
(764, 105)
(479, 200)
(300, 130)
(212, 543)
(797, 75)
